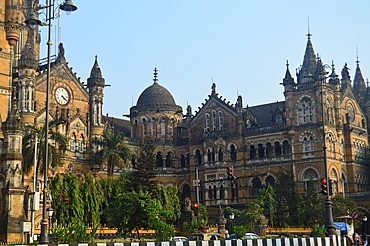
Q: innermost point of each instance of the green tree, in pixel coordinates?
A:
(341, 205)
(288, 200)
(143, 178)
(67, 199)
(111, 188)
(169, 202)
(267, 200)
(312, 207)
(93, 198)
(114, 152)
(133, 211)
(56, 147)
(252, 214)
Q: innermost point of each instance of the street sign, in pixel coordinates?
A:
(355, 215)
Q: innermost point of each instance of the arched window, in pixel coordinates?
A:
(277, 149)
(287, 150)
(252, 152)
(187, 159)
(214, 120)
(169, 159)
(278, 119)
(256, 186)
(220, 120)
(306, 111)
(310, 178)
(220, 154)
(270, 180)
(210, 193)
(261, 151)
(214, 192)
(159, 158)
(154, 130)
(233, 152)
(268, 150)
(182, 161)
(198, 157)
(222, 191)
(209, 155)
(308, 144)
(163, 129)
(333, 176)
(206, 123)
(213, 155)
(72, 143)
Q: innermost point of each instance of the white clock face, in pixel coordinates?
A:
(62, 95)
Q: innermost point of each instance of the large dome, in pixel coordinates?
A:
(155, 95)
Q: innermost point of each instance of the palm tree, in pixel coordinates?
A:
(57, 145)
(113, 152)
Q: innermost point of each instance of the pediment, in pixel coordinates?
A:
(63, 72)
(212, 103)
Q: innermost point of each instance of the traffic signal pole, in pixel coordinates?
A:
(329, 223)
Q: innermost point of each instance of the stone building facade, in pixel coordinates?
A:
(193, 149)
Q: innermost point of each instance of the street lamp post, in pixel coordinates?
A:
(33, 21)
(231, 218)
(364, 219)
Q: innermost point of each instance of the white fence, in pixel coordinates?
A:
(312, 241)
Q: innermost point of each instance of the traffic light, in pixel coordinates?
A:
(195, 205)
(324, 187)
(230, 174)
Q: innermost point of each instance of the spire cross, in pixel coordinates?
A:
(357, 61)
(308, 25)
(155, 76)
(287, 63)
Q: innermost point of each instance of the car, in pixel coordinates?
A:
(179, 239)
(248, 235)
(205, 236)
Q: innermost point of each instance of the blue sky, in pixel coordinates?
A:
(240, 45)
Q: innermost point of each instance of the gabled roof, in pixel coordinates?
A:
(264, 112)
(119, 124)
(216, 101)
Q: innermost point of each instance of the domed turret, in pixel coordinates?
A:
(156, 98)
(155, 115)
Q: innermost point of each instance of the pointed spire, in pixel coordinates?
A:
(96, 77)
(359, 86)
(358, 81)
(288, 79)
(155, 76)
(13, 121)
(333, 76)
(95, 71)
(333, 73)
(309, 59)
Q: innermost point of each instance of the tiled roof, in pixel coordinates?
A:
(264, 112)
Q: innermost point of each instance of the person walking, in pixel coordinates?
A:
(364, 239)
(356, 239)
